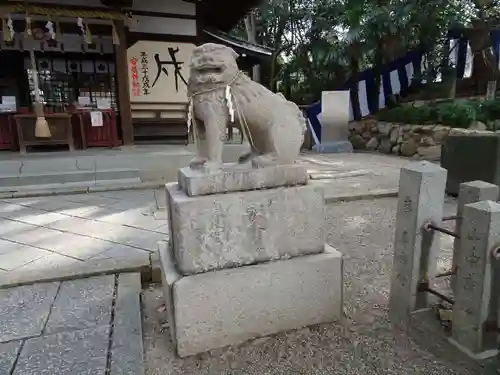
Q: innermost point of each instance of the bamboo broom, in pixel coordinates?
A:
(42, 129)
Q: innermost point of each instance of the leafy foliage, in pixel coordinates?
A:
(319, 44)
(457, 114)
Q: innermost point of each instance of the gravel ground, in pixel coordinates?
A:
(363, 343)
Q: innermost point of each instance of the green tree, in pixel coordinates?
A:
(320, 44)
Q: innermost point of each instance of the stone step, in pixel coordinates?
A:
(77, 188)
(20, 180)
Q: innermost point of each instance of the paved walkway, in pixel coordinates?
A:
(88, 326)
(46, 232)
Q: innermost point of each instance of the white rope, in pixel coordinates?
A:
(231, 103)
(10, 25)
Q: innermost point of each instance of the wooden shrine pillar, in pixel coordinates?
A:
(123, 86)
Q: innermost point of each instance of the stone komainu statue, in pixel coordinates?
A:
(220, 93)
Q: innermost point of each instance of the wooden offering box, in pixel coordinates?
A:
(60, 128)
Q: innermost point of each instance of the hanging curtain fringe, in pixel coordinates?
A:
(88, 35)
(59, 12)
(5, 31)
(58, 29)
(116, 37)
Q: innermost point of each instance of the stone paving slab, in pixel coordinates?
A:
(67, 353)
(8, 356)
(81, 304)
(46, 264)
(14, 255)
(94, 327)
(127, 348)
(120, 251)
(24, 310)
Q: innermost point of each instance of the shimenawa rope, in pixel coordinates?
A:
(230, 98)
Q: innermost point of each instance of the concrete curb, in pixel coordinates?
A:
(79, 190)
(374, 194)
(140, 263)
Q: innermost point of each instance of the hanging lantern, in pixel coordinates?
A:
(38, 34)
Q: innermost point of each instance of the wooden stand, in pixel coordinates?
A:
(60, 127)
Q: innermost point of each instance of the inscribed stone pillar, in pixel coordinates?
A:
(421, 199)
(334, 121)
(476, 294)
(470, 192)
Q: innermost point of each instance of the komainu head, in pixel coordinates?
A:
(212, 65)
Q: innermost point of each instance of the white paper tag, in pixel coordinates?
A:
(96, 118)
(84, 101)
(103, 103)
(9, 104)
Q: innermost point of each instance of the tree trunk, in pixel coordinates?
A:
(484, 68)
(252, 38)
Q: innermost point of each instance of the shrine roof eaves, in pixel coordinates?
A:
(239, 45)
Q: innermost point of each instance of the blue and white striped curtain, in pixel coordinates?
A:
(397, 77)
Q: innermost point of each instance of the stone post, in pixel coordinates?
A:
(476, 306)
(335, 121)
(470, 192)
(421, 199)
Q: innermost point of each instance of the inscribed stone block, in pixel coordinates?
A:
(240, 177)
(421, 199)
(24, 310)
(219, 231)
(77, 352)
(470, 192)
(231, 306)
(476, 294)
(82, 304)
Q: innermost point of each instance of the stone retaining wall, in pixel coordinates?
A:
(418, 141)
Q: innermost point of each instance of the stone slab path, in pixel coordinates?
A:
(48, 232)
(85, 326)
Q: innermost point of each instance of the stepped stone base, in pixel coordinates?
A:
(230, 306)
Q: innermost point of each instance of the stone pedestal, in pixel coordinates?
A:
(244, 263)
